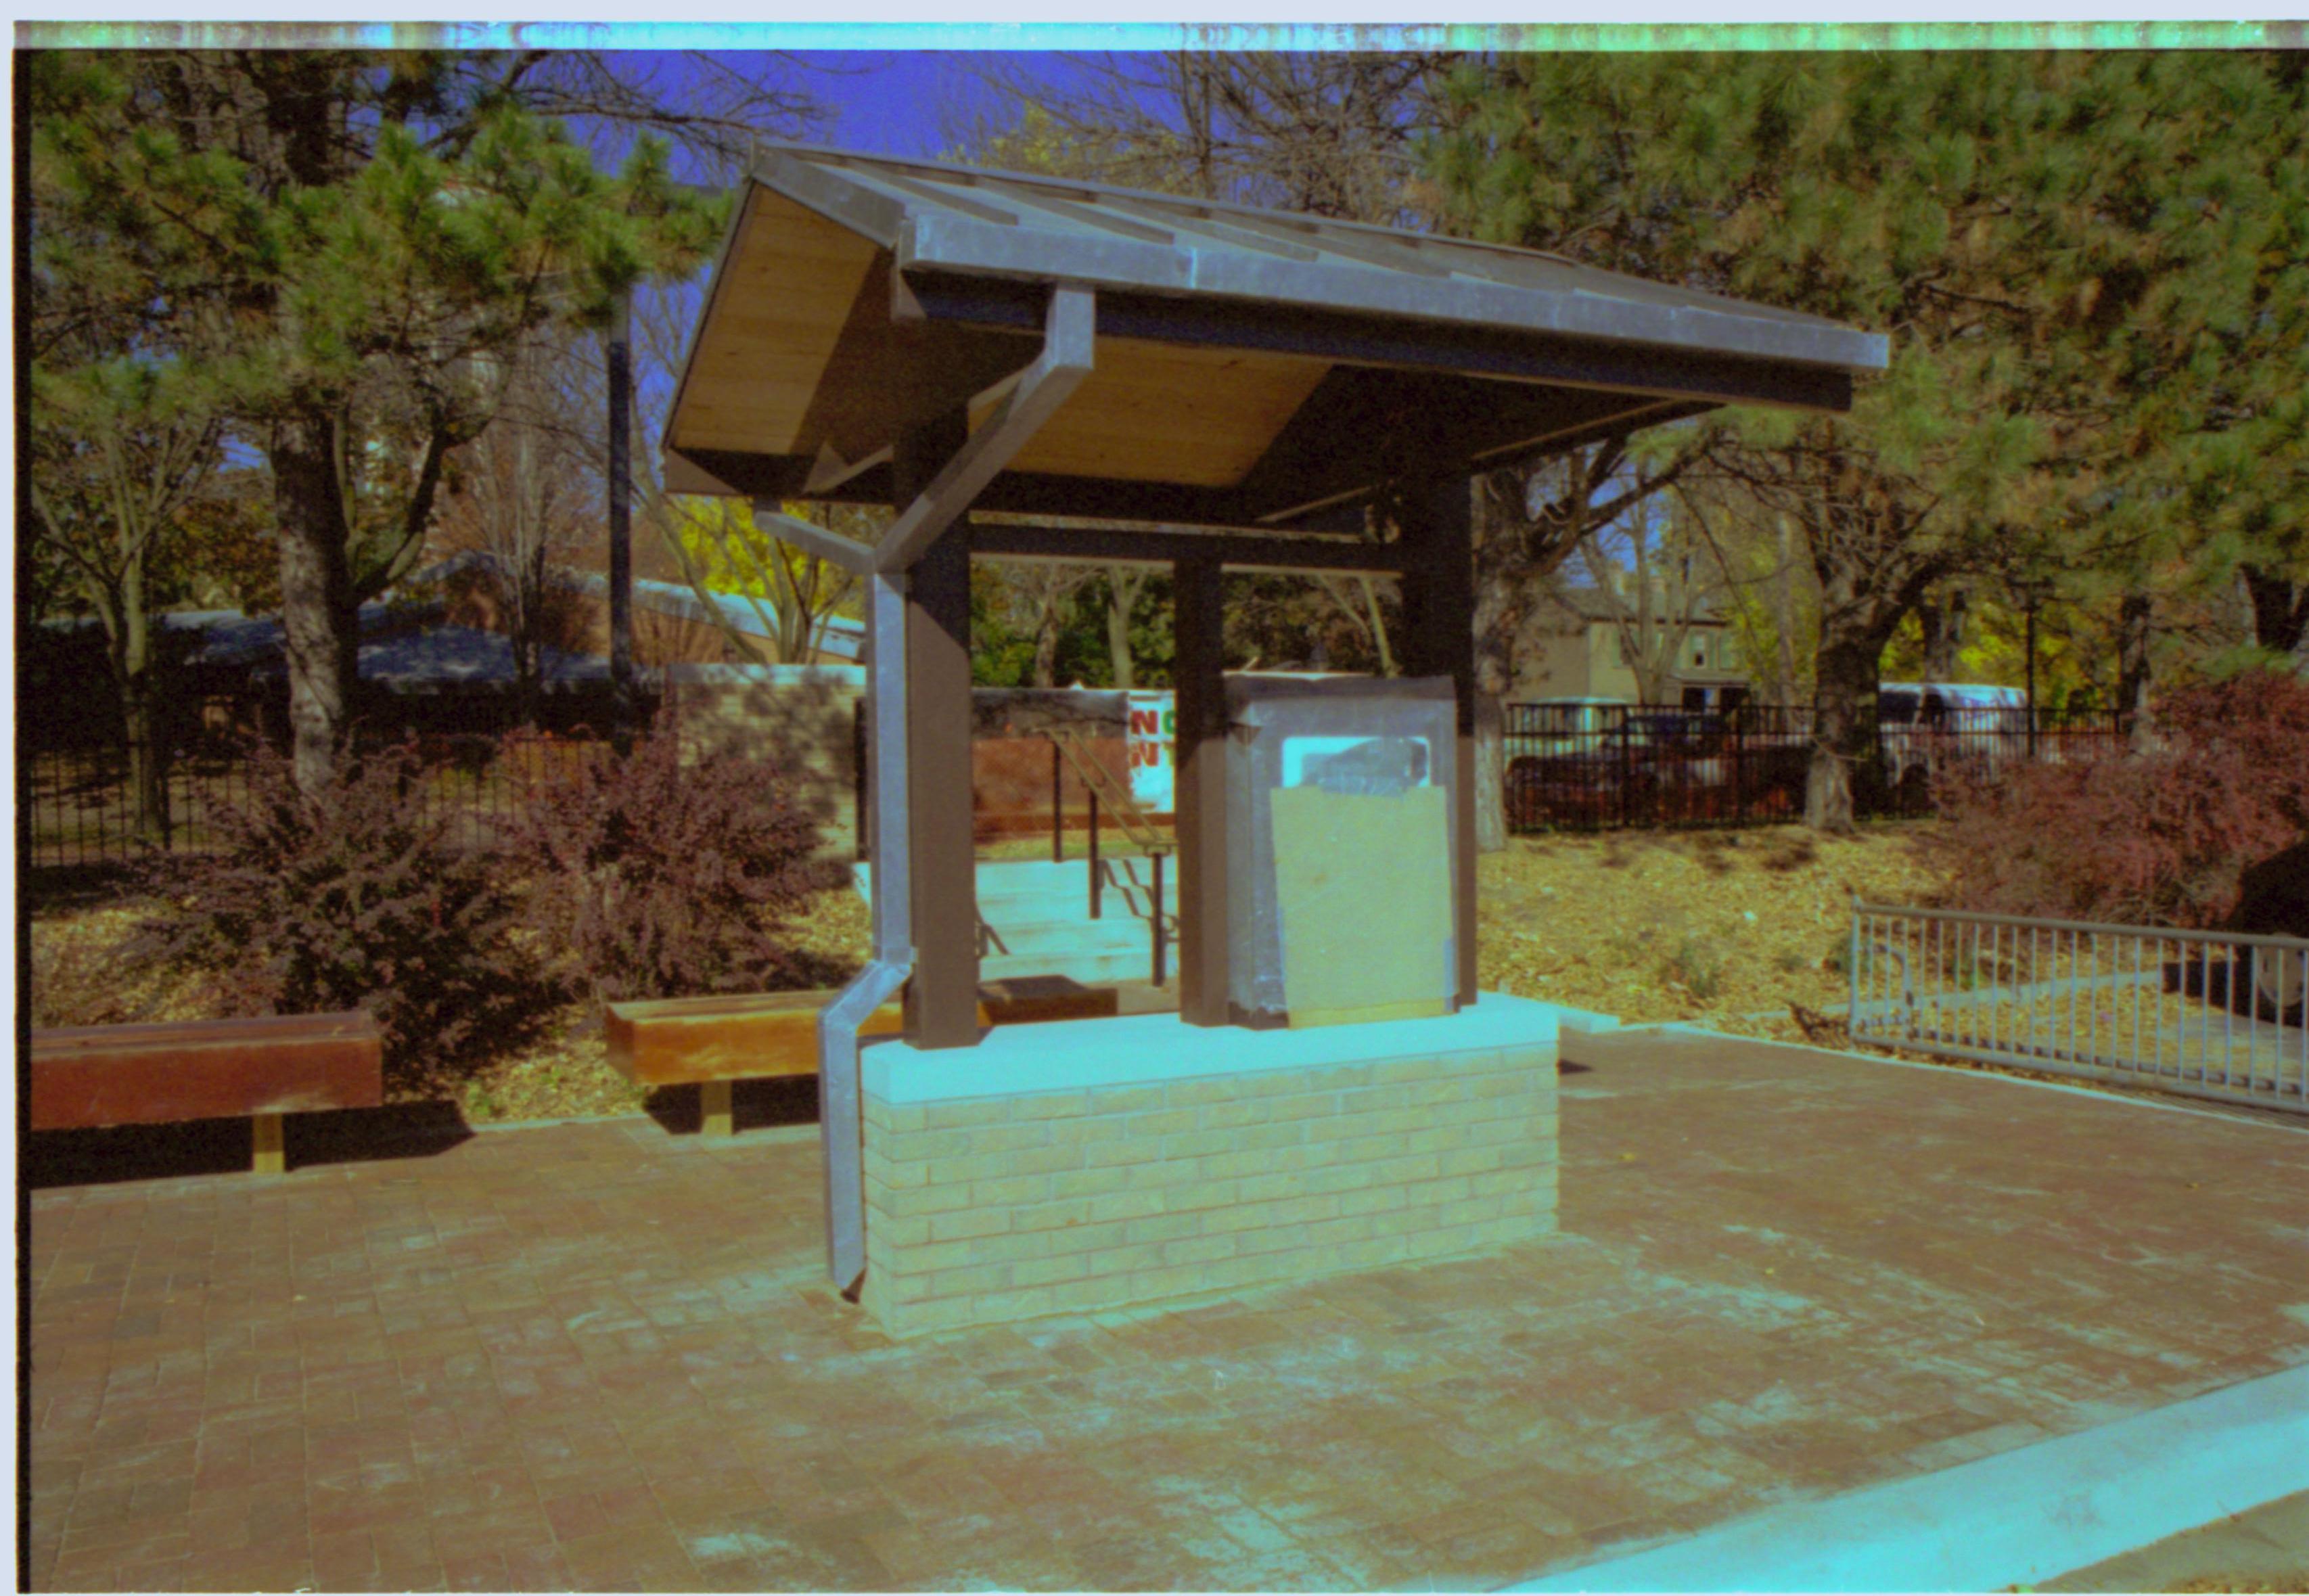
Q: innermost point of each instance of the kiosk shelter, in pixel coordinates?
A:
(1212, 386)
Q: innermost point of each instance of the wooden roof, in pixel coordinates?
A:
(1250, 366)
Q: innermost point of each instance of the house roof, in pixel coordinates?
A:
(1250, 364)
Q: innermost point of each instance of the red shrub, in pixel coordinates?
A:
(667, 879)
(2157, 837)
(358, 901)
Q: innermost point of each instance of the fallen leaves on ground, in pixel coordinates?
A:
(1722, 928)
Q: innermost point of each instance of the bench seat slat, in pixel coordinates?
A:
(682, 1041)
(162, 1074)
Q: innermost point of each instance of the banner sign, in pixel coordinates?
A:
(1148, 746)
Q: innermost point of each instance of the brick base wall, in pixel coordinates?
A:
(995, 1208)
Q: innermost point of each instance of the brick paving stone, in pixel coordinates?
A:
(599, 1356)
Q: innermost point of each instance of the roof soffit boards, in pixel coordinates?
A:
(1246, 360)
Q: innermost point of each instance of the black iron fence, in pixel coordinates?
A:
(1587, 767)
(82, 811)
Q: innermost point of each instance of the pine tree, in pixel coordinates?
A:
(334, 247)
(2050, 399)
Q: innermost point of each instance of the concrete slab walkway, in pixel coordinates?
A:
(601, 1356)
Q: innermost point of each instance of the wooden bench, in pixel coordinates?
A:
(710, 1042)
(89, 1076)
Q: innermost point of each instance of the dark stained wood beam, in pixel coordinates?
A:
(1364, 425)
(1199, 618)
(941, 1001)
(1360, 340)
(1439, 625)
(1129, 546)
(884, 377)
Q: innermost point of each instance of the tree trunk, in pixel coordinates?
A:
(1121, 594)
(1046, 646)
(1942, 617)
(2134, 612)
(2280, 609)
(130, 654)
(319, 615)
(1784, 612)
(1844, 727)
(1491, 774)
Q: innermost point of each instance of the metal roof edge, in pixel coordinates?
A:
(950, 242)
(1866, 350)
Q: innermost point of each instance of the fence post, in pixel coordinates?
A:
(1057, 807)
(1094, 883)
(1627, 764)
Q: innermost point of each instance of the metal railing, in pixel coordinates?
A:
(2206, 1013)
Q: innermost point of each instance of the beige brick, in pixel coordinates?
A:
(1043, 1105)
(1052, 1215)
(1162, 1122)
(1167, 1280)
(1200, 1144)
(997, 1307)
(1266, 1188)
(1200, 1194)
(1250, 1110)
(1128, 1257)
(1386, 1071)
(1374, 1200)
(882, 1171)
(1158, 1175)
(1126, 1205)
(1334, 1232)
(907, 1202)
(908, 1232)
(1123, 1149)
(1029, 1160)
(1011, 1192)
(914, 1147)
(894, 1116)
(1091, 1293)
(971, 1280)
(1251, 1138)
(1008, 1137)
(1443, 1189)
(1199, 1249)
(925, 1258)
(1014, 1246)
(966, 1223)
(1335, 1178)
(1194, 1094)
(1087, 1238)
(1091, 1181)
(1075, 1132)
(968, 1113)
(1125, 1100)
(1049, 1272)
(1162, 1228)
(1273, 1238)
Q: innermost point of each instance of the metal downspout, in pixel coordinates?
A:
(839, 1126)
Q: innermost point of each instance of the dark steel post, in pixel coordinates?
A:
(1439, 606)
(941, 1002)
(1094, 883)
(1159, 949)
(1058, 805)
(1198, 679)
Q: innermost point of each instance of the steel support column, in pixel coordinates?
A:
(942, 997)
(1200, 798)
(1439, 619)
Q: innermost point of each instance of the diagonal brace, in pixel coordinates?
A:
(1067, 333)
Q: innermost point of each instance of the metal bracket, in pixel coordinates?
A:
(850, 554)
(1069, 329)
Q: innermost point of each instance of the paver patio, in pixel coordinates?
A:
(603, 1356)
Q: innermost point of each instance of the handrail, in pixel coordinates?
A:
(1137, 826)
(2228, 938)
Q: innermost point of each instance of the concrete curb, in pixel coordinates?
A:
(2018, 1518)
(2141, 1096)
